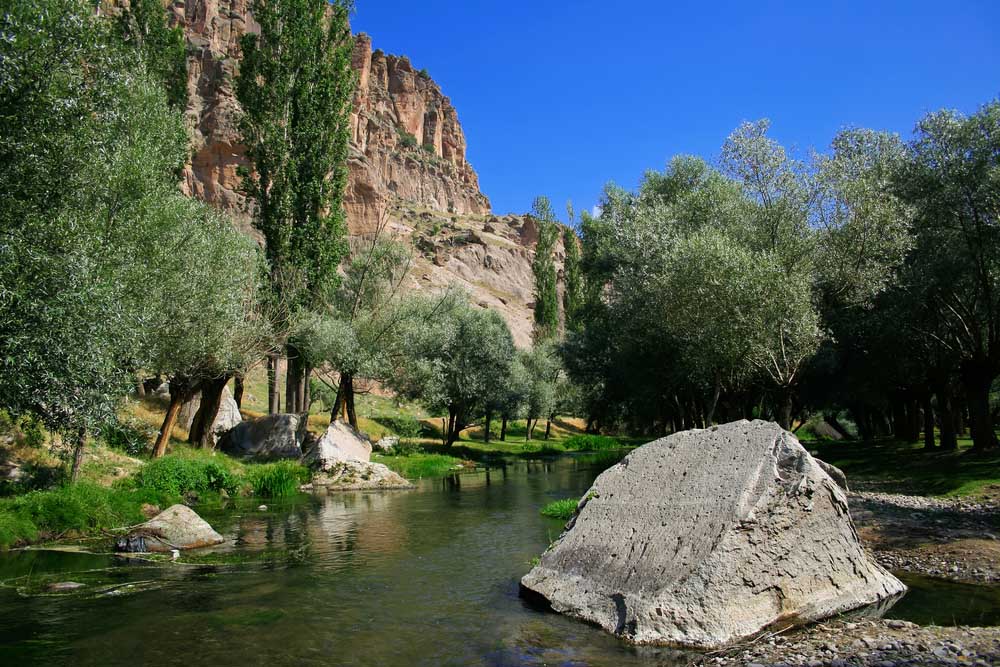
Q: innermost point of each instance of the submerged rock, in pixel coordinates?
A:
(278, 436)
(708, 536)
(177, 527)
(357, 476)
(339, 443)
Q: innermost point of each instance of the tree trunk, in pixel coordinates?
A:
(715, 398)
(273, 398)
(140, 389)
(453, 427)
(306, 392)
(177, 399)
(977, 383)
(338, 403)
(548, 427)
(238, 388)
(487, 421)
(785, 412)
(946, 418)
(81, 443)
(202, 433)
(352, 415)
(293, 380)
(503, 429)
(925, 400)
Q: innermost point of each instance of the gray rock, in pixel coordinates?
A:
(358, 476)
(339, 443)
(835, 473)
(228, 417)
(278, 436)
(707, 537)
(177, 527)
(387, 443)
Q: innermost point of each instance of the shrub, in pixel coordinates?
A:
(132, 437)
(173, 476)
(276, 480)
(561, 509)
(591, 443)
(429, 148)
(407, 140)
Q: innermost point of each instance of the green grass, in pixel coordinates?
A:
(276, 480)
(592, 443)
(899, 467)
(560, 509)
(420, 464)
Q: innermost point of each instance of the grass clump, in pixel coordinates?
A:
(417, 465)
(560, 509)
(176, 476)
(276, 480)
(591, 443)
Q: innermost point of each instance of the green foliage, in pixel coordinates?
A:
(573, 288)
(130, 436)
(407, 140)
(544, 270)
(429, 148)
(295, 88)
(591, 443)
(276, 480)
(143, 24)
(174, 477)
(561, 509)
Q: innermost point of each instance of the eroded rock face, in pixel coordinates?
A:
(278, 436)
(706, 537)
(177, 527)
(339, 443)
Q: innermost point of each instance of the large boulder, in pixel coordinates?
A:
(177, 527)
(357, 476)
(278, 436)
(228, 416)
(708, 536)
(339, 443)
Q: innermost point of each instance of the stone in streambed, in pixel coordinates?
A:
(278, 436)
(177, 527)
(358, 476)
(338, 444)
(707, 537)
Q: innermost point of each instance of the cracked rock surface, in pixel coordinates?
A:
(708, 536)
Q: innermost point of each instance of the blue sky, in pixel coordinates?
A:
(560, 98)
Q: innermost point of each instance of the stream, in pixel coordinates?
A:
(422, 577)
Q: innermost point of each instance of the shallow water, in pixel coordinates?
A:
(422, 577)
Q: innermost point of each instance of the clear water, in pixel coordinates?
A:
(422, 577)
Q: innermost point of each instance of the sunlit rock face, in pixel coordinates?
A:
(408, 171)
(708, 536)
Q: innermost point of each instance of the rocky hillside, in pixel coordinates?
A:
(407, 164)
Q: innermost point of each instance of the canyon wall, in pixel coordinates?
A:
(408, 164)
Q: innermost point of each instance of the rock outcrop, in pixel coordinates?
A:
(407, 163)
(278, 436)
(708, 536)
(177, 527)
(339, 443)
(357, 476)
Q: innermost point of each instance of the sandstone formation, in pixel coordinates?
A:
(357, 476)
(339, 443)
(177, 527)
(708, 536)
(278, 436)
(408, 165)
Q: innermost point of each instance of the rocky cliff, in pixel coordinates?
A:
(407, 163)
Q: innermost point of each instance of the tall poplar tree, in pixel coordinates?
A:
(544, 270)
(295, 86)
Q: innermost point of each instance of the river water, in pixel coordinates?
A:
(422, 577)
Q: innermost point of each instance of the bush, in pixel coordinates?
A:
(591, 443)
(132, 437)
(429, 148)
(173, 476)
(276, 480)
(561, 509)
(407, 140)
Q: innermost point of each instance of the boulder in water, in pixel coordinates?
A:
(358, 476)
(278, 436)
(339, 443)
(708, 536)
(177, 527)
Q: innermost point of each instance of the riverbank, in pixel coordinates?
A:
(882, 643)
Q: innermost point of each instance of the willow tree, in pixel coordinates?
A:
(295, 86)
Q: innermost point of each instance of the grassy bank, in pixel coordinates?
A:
(417, 465)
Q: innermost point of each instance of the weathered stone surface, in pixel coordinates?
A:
(835, 473)
(708, 536)
(278, 436)
(339, 443)
(228, 416)
(358, 476)
(387, 443)
(177, 527)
